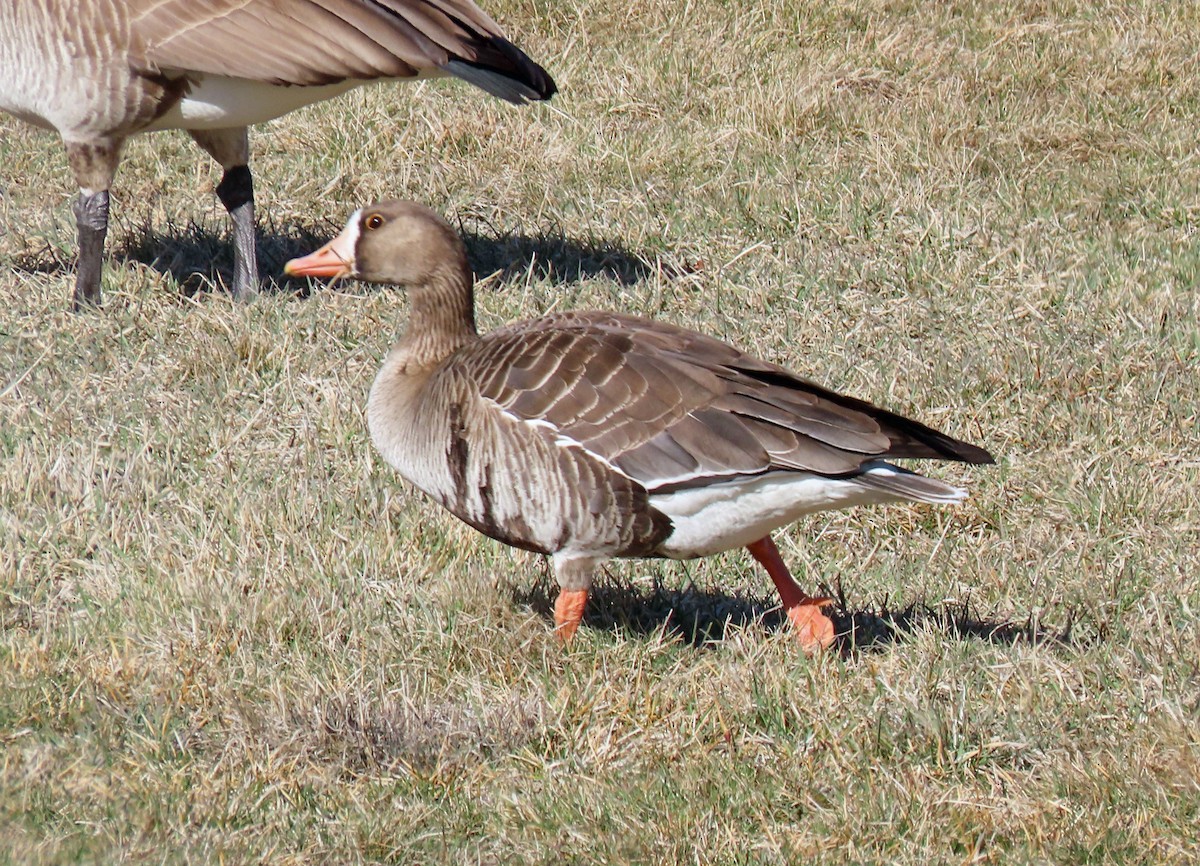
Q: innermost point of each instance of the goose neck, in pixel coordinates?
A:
(442, 317)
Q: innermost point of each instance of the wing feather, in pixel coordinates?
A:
(312, 42)
(673, 409)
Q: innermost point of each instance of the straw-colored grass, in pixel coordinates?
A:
(229, 634)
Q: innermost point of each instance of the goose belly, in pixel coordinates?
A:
(45, 83)
(217, 102)
(735, 513)
(524, 502)
(514, 480)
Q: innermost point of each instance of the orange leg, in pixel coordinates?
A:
(813, 628)
(568, 612)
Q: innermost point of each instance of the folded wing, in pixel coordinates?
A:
(674, 409)
(313, 42)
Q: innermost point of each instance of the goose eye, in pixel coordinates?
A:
(374, 221)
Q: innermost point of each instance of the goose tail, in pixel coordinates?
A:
(904, 484)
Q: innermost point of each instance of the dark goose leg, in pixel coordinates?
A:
(94, 165)
(231, 148)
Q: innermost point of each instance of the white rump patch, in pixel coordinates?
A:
(729, 514)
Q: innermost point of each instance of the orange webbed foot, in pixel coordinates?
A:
(568, 612)
(812, 628)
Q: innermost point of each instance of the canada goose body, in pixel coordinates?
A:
(592, 435)
(99, 71)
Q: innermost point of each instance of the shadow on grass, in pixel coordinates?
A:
(699, 617)
(44, 260)
(199, 259)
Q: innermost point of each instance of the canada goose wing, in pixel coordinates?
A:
(672, 408)
(311, 42)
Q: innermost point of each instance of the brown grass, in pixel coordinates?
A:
(229, 634)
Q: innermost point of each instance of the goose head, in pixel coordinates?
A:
(399, 243)
(406, 244)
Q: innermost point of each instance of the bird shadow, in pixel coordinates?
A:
(200, 259)
(559, 259)
(702, 617)
(43, 260)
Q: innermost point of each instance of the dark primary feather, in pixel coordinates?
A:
(508, 74)
(673, 408)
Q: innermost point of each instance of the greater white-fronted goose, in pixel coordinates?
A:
(99, 71)
(591, 435)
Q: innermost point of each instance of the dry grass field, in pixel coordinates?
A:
(229, 634)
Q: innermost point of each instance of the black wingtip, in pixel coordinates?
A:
(505, 71)
(968, 453)
(941, 445)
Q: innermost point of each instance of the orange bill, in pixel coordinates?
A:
(335, 259)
